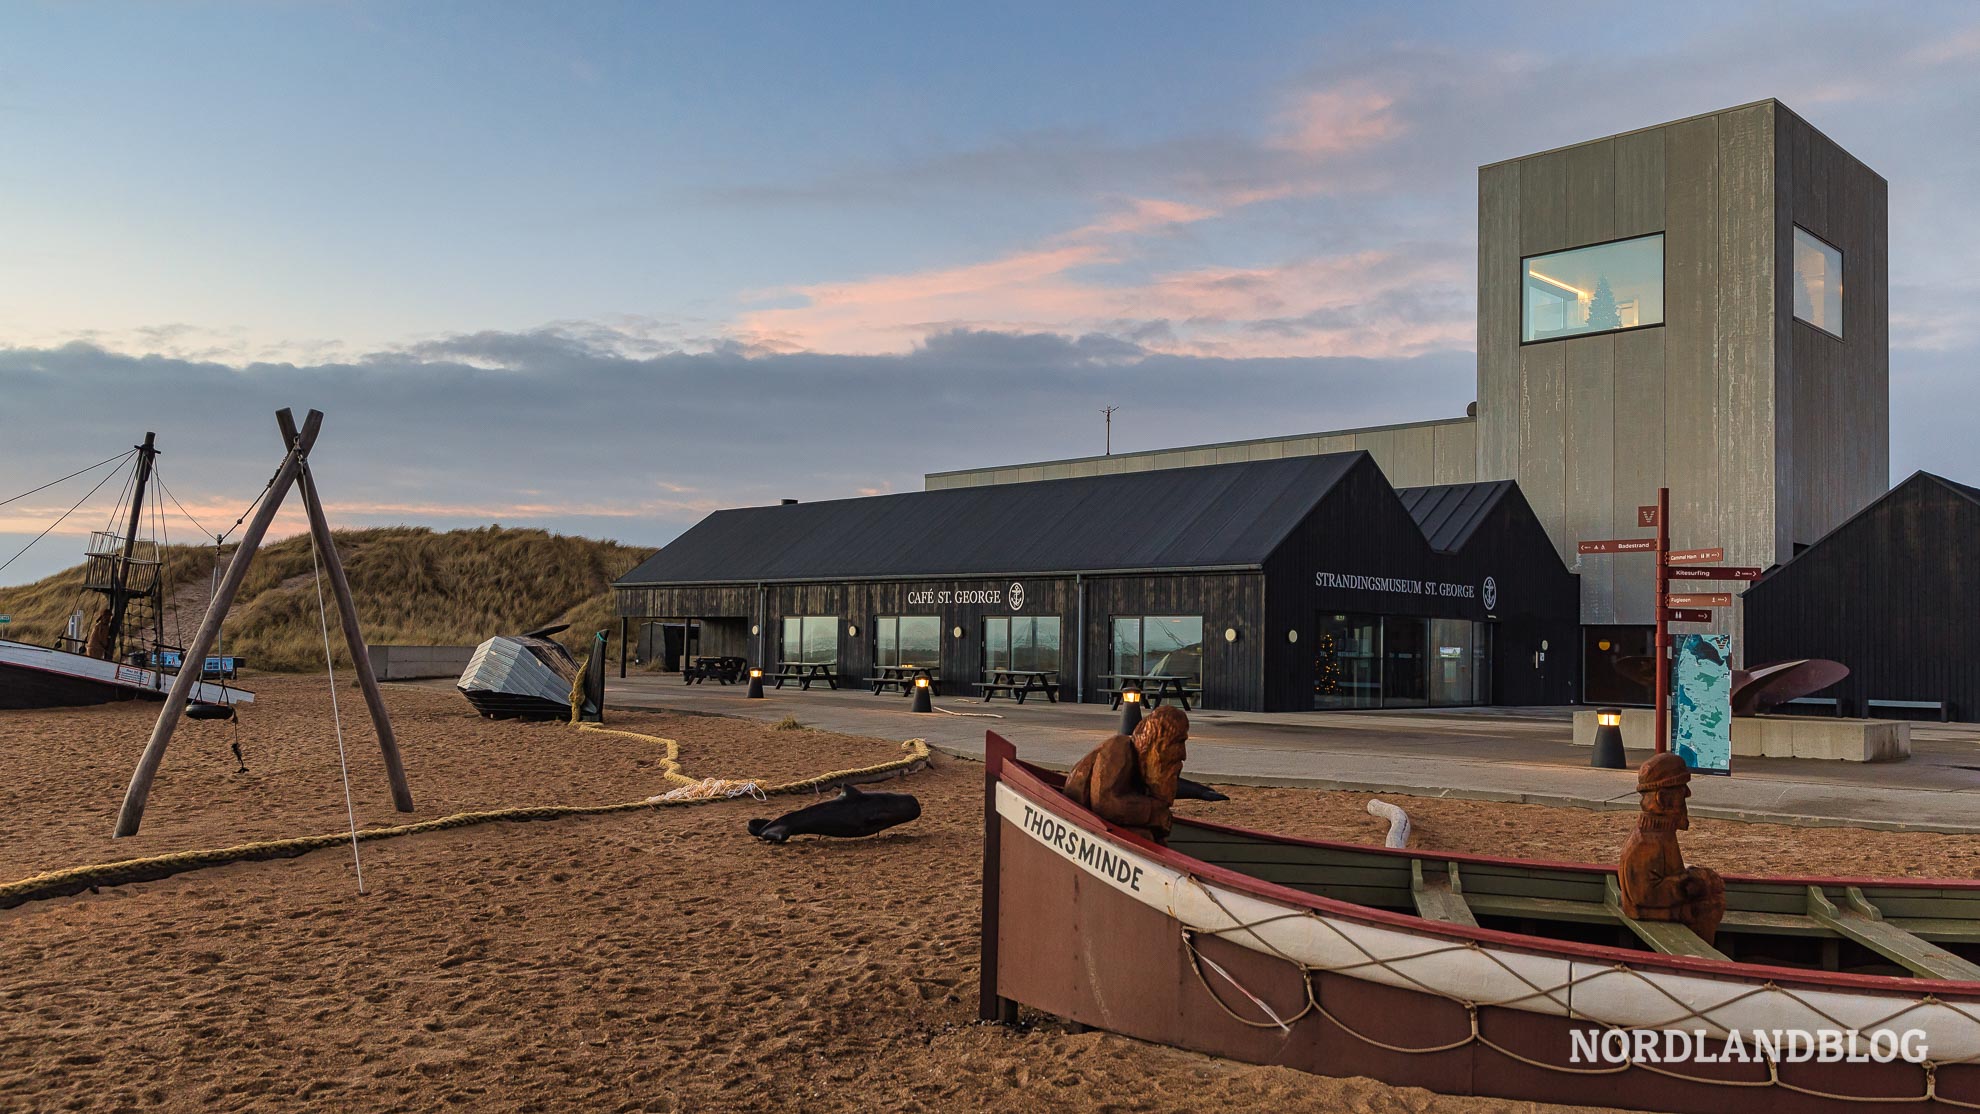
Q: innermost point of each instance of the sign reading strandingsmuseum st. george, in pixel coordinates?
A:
(1405, 586)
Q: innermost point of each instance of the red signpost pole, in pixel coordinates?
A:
(1663, 619)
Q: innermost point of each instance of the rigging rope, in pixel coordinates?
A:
(51, 483)
(158, 475)
(323, 615)
(59, 521)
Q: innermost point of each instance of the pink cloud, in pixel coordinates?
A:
(1338, 120)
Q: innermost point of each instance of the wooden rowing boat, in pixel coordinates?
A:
(1472, 974)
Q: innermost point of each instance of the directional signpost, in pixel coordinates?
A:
(1682, 607)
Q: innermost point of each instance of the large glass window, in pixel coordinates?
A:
(1400, 661)
(907, 640)
(1618, 665)
(811, 639)
(1594, 290)
(1020, 642)
(1818, 282)
(1159, 645)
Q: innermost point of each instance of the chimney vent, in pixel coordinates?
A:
(787, 502)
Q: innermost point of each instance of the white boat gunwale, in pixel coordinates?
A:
(1031, 784)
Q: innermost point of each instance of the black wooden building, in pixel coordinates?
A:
(1889, 593)
(1274, 585)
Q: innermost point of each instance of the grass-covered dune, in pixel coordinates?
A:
(413, 586)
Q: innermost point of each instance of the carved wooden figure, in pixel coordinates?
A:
(1656, 884)
(1131, 782)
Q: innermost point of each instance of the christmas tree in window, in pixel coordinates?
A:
(1602, 312)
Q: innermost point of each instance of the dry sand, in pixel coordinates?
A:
(653, 960)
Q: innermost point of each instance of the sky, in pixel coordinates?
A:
(605, 268)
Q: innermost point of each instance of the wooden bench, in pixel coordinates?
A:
(1864, 923)
(1833, 703)
(1018, 690)
(1439, 899)
(728, 670)
(1668, 937)
(1944, 709)
(902, 677)
(806, 672)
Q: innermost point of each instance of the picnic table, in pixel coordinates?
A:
(902, 677)
(1153, 687)
(728, 670)
(1020, 683)
(805, 672)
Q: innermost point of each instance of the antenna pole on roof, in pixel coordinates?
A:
(1109, 411)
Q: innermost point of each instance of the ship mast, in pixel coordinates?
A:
(119, 595)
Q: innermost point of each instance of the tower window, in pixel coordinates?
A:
(1597, 289)
(1818, 282)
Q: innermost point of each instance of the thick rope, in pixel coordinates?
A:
(1477, 1035)
(75, 880)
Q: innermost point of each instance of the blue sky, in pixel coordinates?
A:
(603, 268)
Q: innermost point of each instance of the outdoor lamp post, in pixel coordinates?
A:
(1130, 711)
(921, 702)
(1608, 753)
(755, 685)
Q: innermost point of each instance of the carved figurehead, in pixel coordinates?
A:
(1131, 782)
(1656, 884)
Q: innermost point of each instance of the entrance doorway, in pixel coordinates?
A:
(1400, 661)
(1618, 665)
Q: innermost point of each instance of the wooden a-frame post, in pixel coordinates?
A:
(192, 664)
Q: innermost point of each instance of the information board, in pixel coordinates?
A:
(1701, 702)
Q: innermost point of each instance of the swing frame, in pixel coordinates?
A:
(294, 472)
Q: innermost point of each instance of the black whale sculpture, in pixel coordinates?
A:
(1187, 790)
(851, 813)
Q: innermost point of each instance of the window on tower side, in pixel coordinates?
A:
(1818, 282)
(1597, 289)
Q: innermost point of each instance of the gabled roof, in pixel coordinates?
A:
(1217, 516)
(1970, 494)
(1448, 514)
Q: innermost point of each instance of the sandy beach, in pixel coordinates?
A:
(657, 960)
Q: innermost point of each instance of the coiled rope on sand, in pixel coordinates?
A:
(75, 880)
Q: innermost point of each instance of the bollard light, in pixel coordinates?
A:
(755, 685)
(1130, 711)
(1608, 753)
(921, 701)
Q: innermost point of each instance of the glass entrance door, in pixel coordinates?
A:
(1405, 665)
(1347, 662)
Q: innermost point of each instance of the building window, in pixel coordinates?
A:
(1818, 281)
(811, 639)
(1020, 642)
(908, 640)
(1597, 289)
(1159, 645)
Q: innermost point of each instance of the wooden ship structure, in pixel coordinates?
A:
(117, 650)
(1473, 974)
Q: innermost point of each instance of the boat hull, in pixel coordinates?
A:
(38, 677)
(1105, 930)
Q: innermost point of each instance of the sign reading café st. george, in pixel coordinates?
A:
(962, 597)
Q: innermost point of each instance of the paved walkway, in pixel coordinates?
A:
(1498, 754)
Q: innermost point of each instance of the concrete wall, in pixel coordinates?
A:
(1760, 450)
(407, 663)
(1413, 455)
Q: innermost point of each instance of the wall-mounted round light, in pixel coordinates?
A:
(1230, 634)
(1602, 645)
(755, 629)
(1292, 636)
(957, 632)
(852, 629)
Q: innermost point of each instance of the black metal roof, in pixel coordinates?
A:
(1216, 516)
(1448, 514)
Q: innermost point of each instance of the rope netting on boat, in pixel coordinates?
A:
(1559, 996)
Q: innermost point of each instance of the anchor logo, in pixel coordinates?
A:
(1017, 595)
(1491, 594)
